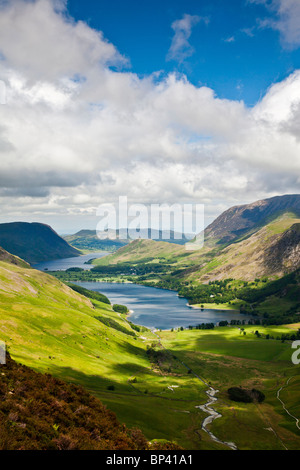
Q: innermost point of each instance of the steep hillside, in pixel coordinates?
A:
(5, 256)
(34, 242)
(272, 251)
(239, 221)
(53, 329)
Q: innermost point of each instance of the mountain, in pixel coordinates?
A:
(245, 242)
(239, 221)
(34, 242)
(91, 240)
(88, 240)
(272, 251)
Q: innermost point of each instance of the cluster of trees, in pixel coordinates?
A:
(160, 357)
(90, 293)
(120, 308)
(215, 292)
(277, 287)
(203, 326)
(129, 269)
(244, 395)
(200, 326)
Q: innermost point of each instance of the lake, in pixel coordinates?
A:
(159, 308)
(151, 307)
(66, 263)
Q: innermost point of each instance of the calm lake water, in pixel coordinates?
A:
(65, 263)
(158, 308)
(151, 307)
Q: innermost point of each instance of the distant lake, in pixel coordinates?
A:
(66, 263)
(159, 308)
(152, 307)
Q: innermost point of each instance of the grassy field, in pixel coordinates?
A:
(235, 306)
(226, 357)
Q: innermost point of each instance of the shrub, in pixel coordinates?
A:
(120, 308)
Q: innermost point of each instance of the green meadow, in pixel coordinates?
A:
(225, 357)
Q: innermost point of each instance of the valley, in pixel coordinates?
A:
(166, 381)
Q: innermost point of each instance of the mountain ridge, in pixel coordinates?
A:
(238, 220)
(240, 243)
(34, 242)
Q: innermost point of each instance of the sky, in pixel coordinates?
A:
(162, 101)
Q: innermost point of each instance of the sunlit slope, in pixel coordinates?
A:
(145, 251)
(50, 327)
(272, 251)
(9, 258)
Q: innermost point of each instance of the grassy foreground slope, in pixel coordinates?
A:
(51, 328)
(40, 412)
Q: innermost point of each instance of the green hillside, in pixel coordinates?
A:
(273, 250)
(51, 328)
(88, 240)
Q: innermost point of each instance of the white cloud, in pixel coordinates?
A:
(289, 21)
(63, 47)
(180, 47)
(68, 145)
(230, 39)
(286, 20)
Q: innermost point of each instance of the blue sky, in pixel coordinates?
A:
(232, 53)
(160, 101)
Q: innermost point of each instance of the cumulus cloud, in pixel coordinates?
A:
(180, 47)
(76, 133)
(63, 47)
(286, 20)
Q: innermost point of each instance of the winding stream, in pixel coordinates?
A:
(212, 415)
(207, 408)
